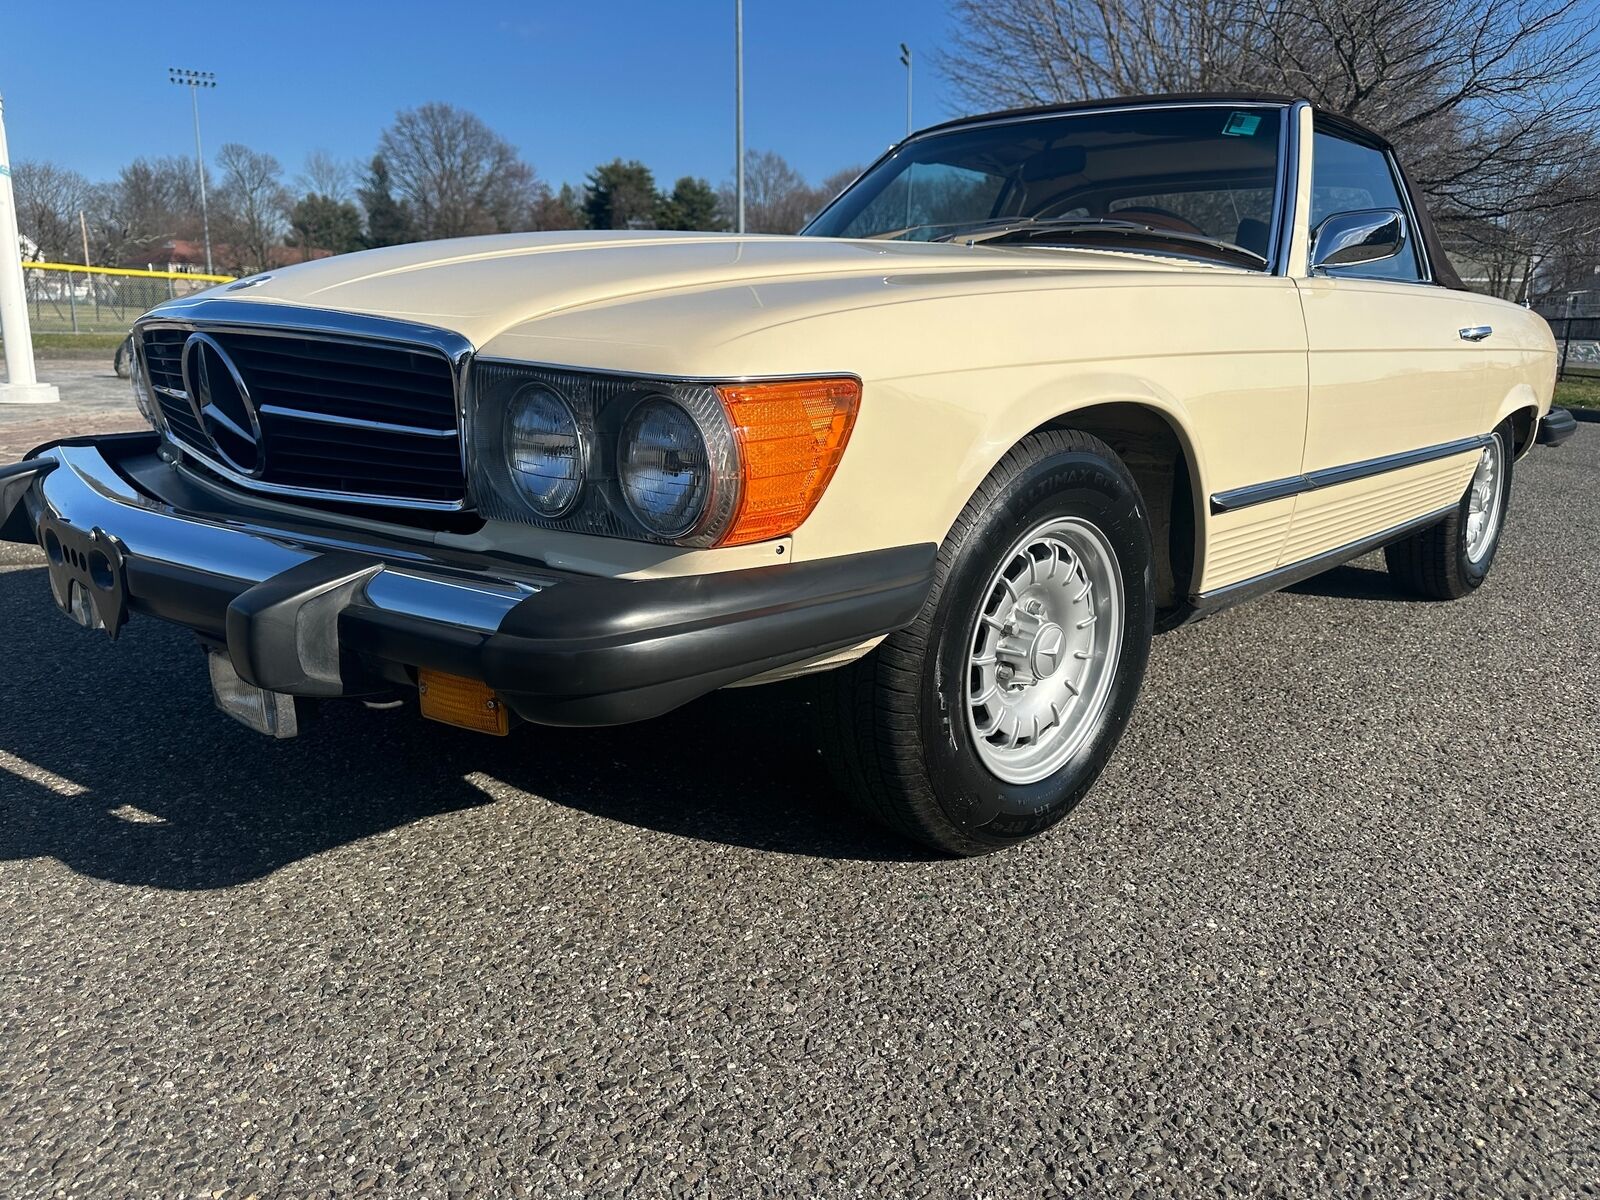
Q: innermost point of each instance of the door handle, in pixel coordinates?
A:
(1476, 333)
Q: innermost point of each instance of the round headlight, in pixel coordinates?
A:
(544, 450)
(664, 468)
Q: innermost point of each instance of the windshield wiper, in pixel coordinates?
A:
(1032, 227)
(890, 234)
(986, 227)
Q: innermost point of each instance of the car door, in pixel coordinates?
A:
(1393, 399)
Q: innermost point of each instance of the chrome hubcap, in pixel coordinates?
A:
(1484, 501)
(1044, 649)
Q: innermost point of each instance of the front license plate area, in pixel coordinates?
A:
(88, 577)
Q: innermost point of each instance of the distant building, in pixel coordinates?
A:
(189, 257)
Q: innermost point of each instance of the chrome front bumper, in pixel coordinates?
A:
(85, 491)
(318, 610)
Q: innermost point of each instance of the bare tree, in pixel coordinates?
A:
(325, 175)
(1020, 52)
(777, 198)
(150, 203)
(561, 209)
(455, 175)
(49, 199)
(253, 207)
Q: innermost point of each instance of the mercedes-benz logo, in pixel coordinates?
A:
(222, 404)
(1047, 649)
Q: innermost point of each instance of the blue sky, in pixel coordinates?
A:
(569, 84)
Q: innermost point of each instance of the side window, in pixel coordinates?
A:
(1346, 175)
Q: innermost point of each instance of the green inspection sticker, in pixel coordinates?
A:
(1241, 125)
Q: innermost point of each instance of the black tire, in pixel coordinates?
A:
(122, 361)
(894, 724)
(1434, 562)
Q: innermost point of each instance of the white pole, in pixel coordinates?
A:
(738, 105)
(905, 57)
(22, 386)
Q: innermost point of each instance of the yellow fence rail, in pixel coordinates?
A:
(125, 271)
(70, 298)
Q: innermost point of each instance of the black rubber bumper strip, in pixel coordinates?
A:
(15, 480)
(594, 651)
(1556, 427)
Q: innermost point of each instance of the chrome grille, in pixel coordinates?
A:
(371, 421)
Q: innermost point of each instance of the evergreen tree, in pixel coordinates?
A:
(319, 222)
(388, 221)
(621, 195)
(692, 205)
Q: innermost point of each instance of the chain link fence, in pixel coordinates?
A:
(1576, 326)
(63, 298)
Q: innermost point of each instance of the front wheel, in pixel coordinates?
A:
(989, 718)
(1448, 560)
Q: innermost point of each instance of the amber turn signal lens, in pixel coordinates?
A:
(791, 436)
(465, 703)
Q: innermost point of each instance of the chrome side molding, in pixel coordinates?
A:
(1476, 333)
(1278, 489)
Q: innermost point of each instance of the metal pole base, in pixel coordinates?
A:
(29, 393)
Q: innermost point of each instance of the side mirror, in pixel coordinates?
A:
(1348, 239)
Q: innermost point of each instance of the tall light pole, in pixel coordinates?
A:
(738, 107)
(905, 61)
(194, 81)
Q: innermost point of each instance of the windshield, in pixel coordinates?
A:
(1209, 172)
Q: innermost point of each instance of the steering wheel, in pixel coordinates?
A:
(1159, 217)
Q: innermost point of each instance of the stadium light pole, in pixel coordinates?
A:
(194, 81)
(905, 61)
(738, 108)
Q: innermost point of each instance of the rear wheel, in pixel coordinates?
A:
(987, 720)
(1448, 560)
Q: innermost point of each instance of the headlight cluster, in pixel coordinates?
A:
(692, 464)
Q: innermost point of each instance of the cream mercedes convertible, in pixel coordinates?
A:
(1036, 385)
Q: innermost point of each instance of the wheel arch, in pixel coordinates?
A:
(1158, 449)
(1522, 408)
(1524, 428)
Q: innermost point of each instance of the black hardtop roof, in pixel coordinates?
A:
(1173, 98)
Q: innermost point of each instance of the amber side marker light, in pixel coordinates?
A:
(791, 435)
(464, 703)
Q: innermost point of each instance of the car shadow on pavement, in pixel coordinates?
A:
(1353, 583)
(113, 760)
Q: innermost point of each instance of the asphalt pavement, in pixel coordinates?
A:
(1327, 927)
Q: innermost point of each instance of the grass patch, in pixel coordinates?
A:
(76, 345)
(1578, 393)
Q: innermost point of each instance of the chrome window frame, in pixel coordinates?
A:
(1282, 227)
(1412, 227)
(209, 313)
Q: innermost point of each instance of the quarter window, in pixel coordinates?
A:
(1345, 176)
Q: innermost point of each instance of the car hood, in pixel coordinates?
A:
(483, 287)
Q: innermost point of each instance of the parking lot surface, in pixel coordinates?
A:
(1327, 926)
